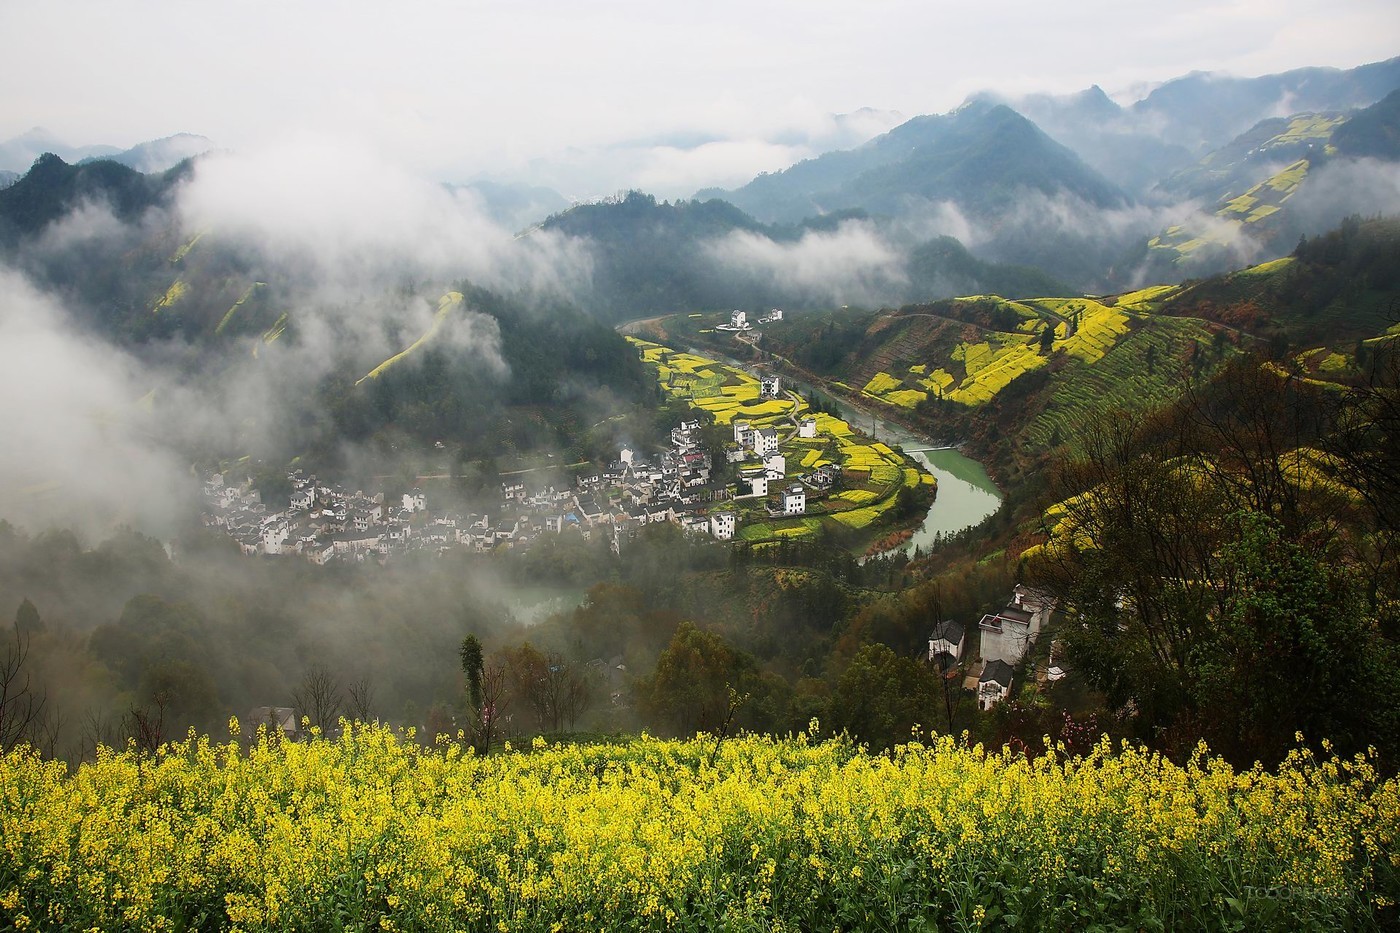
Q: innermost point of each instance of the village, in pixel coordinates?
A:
(323, 522)
(783, 471)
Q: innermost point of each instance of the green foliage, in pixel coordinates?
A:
(881, 697)
(473, 663)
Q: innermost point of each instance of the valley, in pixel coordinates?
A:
(975, 519)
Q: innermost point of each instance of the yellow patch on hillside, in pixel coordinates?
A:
(172, 295)
(446, 305)
(1266, 268)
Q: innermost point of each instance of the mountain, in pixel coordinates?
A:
(943, 266)
(401, 362)
(52, 188)
(1017, 378)
(1103, 134)
(8, 178)
(1282, 179)
(1178, 123)
(1374, 133)
(18, 154)
(515, 206)
(1203, 110)
(158, 155)
(1260, 152)
(653, 257)
(981, 156)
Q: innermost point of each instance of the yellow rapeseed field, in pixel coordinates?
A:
(374, 831)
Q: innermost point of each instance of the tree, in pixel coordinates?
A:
(27, 618)
(472, 661)
(881, 697)
(690, 689)
(360, 699)
(555, 689)
(494, 702)
(319, 698)
(21, 705)
(1212, 581)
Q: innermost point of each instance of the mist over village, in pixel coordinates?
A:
(765, 467)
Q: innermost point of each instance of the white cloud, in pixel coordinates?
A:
(454, 90)
(78, 449)
(851, 265)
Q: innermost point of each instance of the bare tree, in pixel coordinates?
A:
(146, 724)
(99, 729)
(360, 694)
(21, 706)
(579, 684)
(319, 698)
(495, 698)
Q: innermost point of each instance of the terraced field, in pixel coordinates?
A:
(1122, 380)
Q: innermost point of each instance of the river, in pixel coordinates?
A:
(966, 494)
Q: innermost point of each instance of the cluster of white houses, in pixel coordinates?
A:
(1004, 639)
(327, 522)
(739, 320)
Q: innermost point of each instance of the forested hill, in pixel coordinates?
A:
(52, 188)
(653, 257)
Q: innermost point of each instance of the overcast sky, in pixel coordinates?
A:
(460, 89)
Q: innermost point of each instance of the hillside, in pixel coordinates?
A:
(1203, 110)
(1284, 178)
(52, 188)
(1017, 378)
(211, 314)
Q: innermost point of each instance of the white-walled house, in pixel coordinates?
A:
(722, 525)
(741, 431)
(795, 500)
(765, 442)
(945, 645)
(994, 685)
(274, 535)
(769, 386)
(807, 427)
(757, 480)
(1007, 635)
(776, 465)
(739, 320)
